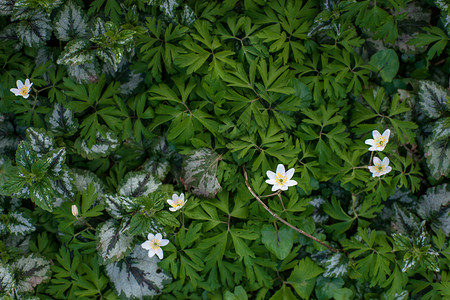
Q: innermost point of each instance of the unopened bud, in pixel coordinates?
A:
(74, 210)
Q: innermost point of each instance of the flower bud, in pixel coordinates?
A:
(74, 210)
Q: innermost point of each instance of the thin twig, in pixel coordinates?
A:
(281, 219)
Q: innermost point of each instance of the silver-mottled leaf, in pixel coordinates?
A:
(61, 121)
(76, 52)
(437, 149)
(18, 224)
(6, 7)
(112, 55)
(98, 28)
(130, 85)
(55, 159)
(70, 22)
(82, 179)
(199, 172)
(35, 31)
(8, 137)
(113, 242)
(434, 207)
(137, 184)
(84, 73)
(30, 271)
(7, 281)
(63, 187)
(187, 16)
(137, 275)
(102, 147)
(159, 168)
(404, 221)
(119, 206)
(41, 142)
(336, 265)
(432, 99)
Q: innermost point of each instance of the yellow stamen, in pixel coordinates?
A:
(380, 167)
(155, 244)
(24, 90)
(281, 179)
(380, 141)
(177, 203)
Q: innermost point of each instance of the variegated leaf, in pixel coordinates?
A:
(70, 22)
(82, 179)
(84, 73)
(18, 224)
(336, 265)
(63, 187)
(41, 142)
(76, 52)
(119, 206)
(113, 242)
(432, 99)
(6, 7)
(137, 276)
(30, 271)
(34, 31)
(437, 149)
(199, 172)
(102, 147)
(434, 207)
(61, 121)
(159, 168)
(137, 184)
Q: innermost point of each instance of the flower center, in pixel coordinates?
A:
(380, 141)
(380, 167)
(155, 244)
(281, 179)
(24, 90)
(177, 203)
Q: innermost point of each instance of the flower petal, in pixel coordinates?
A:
(174, 197)
(27, 82)
(388, 169)
(159, 253)
(284, 187)
(386, 133)
(26, 96)
(182, 196)
(375, 134)
(158, 236)
(372, 169)
(386, 161)
(170, 202)
(15, 91)
(271, 174)
(150, 236)
(290, 173)
(376, 160)
(151, 252)
(172, 209)
(291, 183)
(146, 245)
(270, 181)
(164, 242)
(275, 187)
(280, 169)
(373, 148)
(19, 84)
(370, 142)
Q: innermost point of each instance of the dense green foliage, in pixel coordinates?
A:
(135, 100)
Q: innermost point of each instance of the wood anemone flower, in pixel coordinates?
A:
(281, 180)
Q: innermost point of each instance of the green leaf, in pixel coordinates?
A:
(199, 172)
(25, 156)
(35, 31)
(432, 99)
(137, 275)
(386, 62)
(70, 22)
(279, 242)
(113, 242)
(284, 293)
(166, 218)
(303, 277)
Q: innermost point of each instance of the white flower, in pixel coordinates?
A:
(154, 244)
(380, 167)
(177, 202)
(22, 89)
(379, 141)
(74, 210)
(281, 180)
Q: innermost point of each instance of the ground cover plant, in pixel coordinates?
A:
(237, 149)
